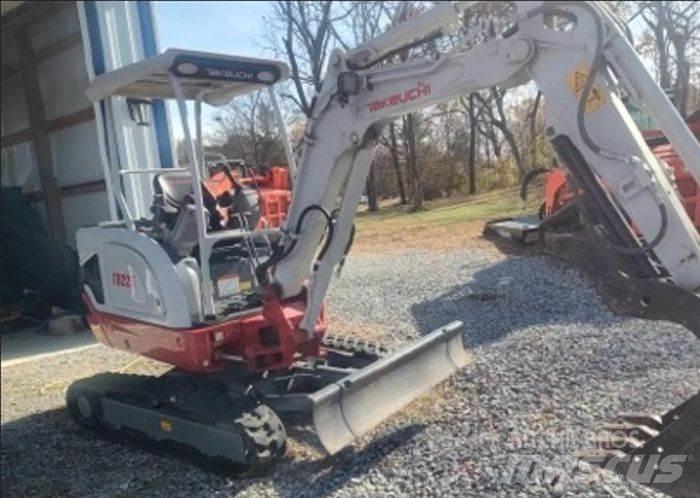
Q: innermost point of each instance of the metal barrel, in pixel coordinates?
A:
(346, 409)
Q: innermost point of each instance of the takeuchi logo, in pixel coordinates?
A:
(417, 92)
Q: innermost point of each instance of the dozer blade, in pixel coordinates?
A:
(344, 410)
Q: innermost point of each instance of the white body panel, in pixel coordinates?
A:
(139, 280)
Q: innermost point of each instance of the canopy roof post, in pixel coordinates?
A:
(283, 134)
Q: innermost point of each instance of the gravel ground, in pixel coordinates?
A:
(550, 365)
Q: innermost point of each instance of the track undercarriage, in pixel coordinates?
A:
(234, 421)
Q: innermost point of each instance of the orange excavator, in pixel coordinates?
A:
(558, 192)
(271, 187)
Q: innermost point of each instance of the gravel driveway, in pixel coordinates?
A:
(550, 365)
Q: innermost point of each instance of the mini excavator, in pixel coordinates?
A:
(237, 307)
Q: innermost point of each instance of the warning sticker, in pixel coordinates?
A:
(576, 80)
(228, 285)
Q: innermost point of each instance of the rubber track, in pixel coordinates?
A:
(260, 427)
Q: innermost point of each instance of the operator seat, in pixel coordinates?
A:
(175, 212)
(173, 187)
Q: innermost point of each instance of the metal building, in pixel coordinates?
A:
(51, 133)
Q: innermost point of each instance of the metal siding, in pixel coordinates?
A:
(63, 22)
(83, 210)
(137, 146)
(63, 80)
(19, 168)
(160, 115)
(75, 150)
(14, 113)
(95, 64)
(93, 26)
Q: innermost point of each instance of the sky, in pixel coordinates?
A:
(226, 27)
(213, 26)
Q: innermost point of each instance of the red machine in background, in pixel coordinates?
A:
(688, 188)
(558, 192)
(272, 187)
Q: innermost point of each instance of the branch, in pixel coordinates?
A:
(302, 102)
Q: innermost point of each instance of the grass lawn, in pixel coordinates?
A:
(443, 224)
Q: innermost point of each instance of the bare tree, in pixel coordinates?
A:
(405, 11)
(248, 131)
(532, 118)
(653, 15)
(409, 131)
(390, 143)
(495, 110)
(308, 37)
(684, 33)
(365, 21)
(673, 38)
(472, 145)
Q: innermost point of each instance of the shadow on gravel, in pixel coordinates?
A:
(45, 454)
(510, 295)
(36, 459)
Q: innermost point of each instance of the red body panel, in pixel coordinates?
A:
(263, 343)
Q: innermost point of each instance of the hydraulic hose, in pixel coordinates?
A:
(531, 175)
(596, 64)
(280, 252)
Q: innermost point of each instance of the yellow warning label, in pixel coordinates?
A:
(576, 80)
(166, 426)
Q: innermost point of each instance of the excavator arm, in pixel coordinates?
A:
(577, 55)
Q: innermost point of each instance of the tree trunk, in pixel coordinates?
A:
(661, 41)
(372, 204)
(472, 145)
(487, 150)
(496, 143)
(533, 130)
(412, 164)
(513, 144)
(682, 75)
(397, 164)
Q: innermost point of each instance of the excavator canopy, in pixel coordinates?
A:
(217, 78)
